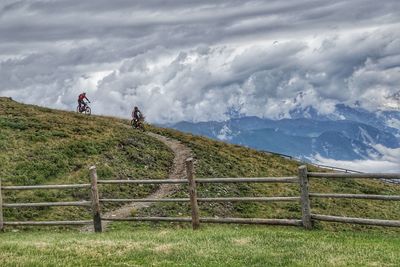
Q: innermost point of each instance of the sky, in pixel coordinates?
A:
(196, 60)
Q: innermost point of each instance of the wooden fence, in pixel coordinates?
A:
(42, 204)
(304, 199)
(194, 199)
(329, 218)
(326, 167)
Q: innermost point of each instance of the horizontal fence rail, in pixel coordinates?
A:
(334, 168)
(150, 181)
(253, 221)
(248, 199)
(375, 222)
(139, 200)
(148, 219)
(356, 196)
(47, 204)
(32, 187)
(206, 180)
(220, 199)
(355, 175)
(50, 223)
(211, 220)
(249, 180)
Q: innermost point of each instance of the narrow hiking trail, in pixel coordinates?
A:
(178, 171)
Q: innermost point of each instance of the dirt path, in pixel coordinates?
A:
(177, 172)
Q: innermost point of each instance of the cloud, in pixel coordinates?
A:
(371, 166)
(266, 80)
(194, 60)
(388, 162)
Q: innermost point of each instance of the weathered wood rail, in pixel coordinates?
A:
(210, 199)
(340, 219)
(193, 199)
(305, 197)
(45, 204)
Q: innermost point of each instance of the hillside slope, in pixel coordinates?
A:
(218, 159)
(41, 145)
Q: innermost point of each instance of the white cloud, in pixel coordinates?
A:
(390, 154)
(381, 166)
(203, 83)
(193, 60)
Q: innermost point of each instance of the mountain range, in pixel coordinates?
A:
(348, 133)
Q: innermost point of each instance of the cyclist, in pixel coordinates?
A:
(137, 114)
(137, 118)
(81, 100)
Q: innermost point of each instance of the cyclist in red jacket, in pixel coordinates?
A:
(81, 100)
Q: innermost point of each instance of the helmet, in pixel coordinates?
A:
(136, 108)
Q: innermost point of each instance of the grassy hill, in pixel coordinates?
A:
(217, 159)
(44, 146)
(41, 145)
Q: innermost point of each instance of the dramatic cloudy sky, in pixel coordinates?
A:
(194, 60)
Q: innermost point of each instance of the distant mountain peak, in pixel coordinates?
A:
(393, 101)
(308, 112)
(235, 112)
(348, 133)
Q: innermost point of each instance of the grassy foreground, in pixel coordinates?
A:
(210, 246)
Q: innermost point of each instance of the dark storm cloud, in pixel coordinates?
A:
(58, 20)
(196, 59)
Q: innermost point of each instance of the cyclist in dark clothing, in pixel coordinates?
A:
(137, 114)
(81, 100)
(137, 119)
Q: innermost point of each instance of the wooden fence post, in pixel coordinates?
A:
(1, 209)
(305, 198)
(95, 200)
(193, 194)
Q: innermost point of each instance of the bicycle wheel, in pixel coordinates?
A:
(77, 109)
(88, 111)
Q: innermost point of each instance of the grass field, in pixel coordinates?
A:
(44, 146)
(218, 159)
(210, 246)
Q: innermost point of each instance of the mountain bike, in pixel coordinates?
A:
(84, 109)
(138, 124)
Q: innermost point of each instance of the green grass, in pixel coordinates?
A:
(209, 246)
(218, 159)
(42, 146)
